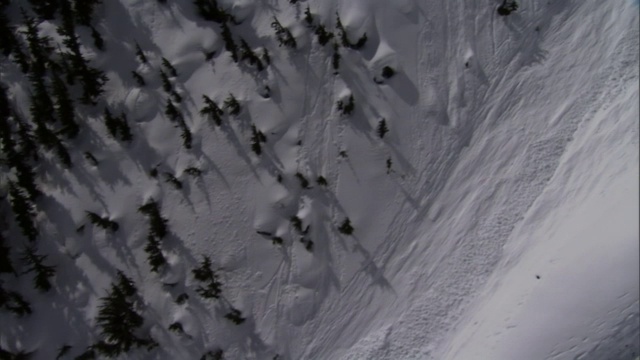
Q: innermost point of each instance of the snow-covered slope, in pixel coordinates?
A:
(512, 152)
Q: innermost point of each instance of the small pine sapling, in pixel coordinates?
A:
(62, 351)
(166, 83)
(304, 183)
(266, 57)
(321, 181)
(235, 316)
(211, 287)
(217, 354)
(335, 58)
(154, 255)
(176, 327)
(103, 222)
(507, 7)
(232, 105)
(345, 227)
(97, 39)
(388, 72)
(276, 240)
(90, 158)
(182, 298)
(308, 18)
(382, 128)
(169, 67)
(193, 171)
(42, 272)
(169, 178)
(138, 79)
(323, 35)
(389, 163)
(140, 54)
(296, 222)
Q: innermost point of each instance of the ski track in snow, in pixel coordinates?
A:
(480, 114)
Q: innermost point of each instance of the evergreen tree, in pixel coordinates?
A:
(213, 355)
(97, 39)
(247, 54)
(209, 10)
(304, 183)
(7, 35)
(39, 47)
(119, 320)
(42, 272)
(23, 211)
(5, 259)
(345, 227)
(256, 138)
(382, 128)
(103, 222)
(266, 57)
(229, 44)
(171, 179)
(123, 128)
(84, 9)
(323, 35)
(175, 96)
(335, 59)
(387, 72)
(21, 58)
(45, 9)
(211, 109)
(92, 81)
(171, 111)
(507, 7)
(235, 316)
(154, 255)
(166, 84)
(14, 302)
(186, 138)
(308, 18)
(232, 105)
(169, 67)
(64, 107)
(140, 54)
(138, 78)
(346, 108)
(211, 287)
(157, 224)
(26, 141)
(283, 35)
(321, 180)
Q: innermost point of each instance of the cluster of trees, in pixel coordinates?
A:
(157, 231)
(346, 107)
(283, 34)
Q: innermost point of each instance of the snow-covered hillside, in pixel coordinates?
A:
(487, 166)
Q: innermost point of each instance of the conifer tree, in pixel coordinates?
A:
(5, 259)
(209, 10)
(14, 302)
(308, 18)
(283, 35)
(140, 54)
(138, 78)
(23, 211)
(7, 34)
(186, 138)
(175, 96)
(247, 54)
(382, 128)
(64, 107)
(171, 179)
(229, 43)
(42, 272)
(97, 39)
(171, 111)
(235, 316)
(157, 224)
(169, 67)
(154, 255)
(266, 57)
(166, 84)
(345, 227)
(346, 108)
(256, 138)
(45, 9)
(304, 183)
(323, 35)
(213, 355)
(211, 109)
(211, 287)
(26, 140)
(335, 59)
(119, 320)
(232, 105)
(103, 222)
(84, 9)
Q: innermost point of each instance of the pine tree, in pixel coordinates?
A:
(64, 107)
(169, 67)
(26, 140)
(119, 320)
(169, 178)
(382, 128)
(138, 78)
(14, 302)
(42, 272)
(235, 316)
(387, 72)
(321, 180)
(283, 35)
(5, 257)
(346, 108)
(232, 105)
(193, 171)
(229, 44)
(84, 9)
(266, 57)
(217, 354)
(335, 59)
(140, 54)
(308, 18)
(103, 222)
(175, 96)
(209, 10)
(23, 211)
(111, 123)
(186, 137)
(304, 183)
(171, 111)
(247, 54)
(211, 109)
(507, 7)
(45, 9)
(7, 34)
(166, 84)
(154, 255)
(157, 224)
(97, 39)
(255, 140)
(345, 227)
(123, 128)
(323, 35)
(205, 274)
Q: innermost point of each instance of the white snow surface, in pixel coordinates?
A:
(514, 148)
